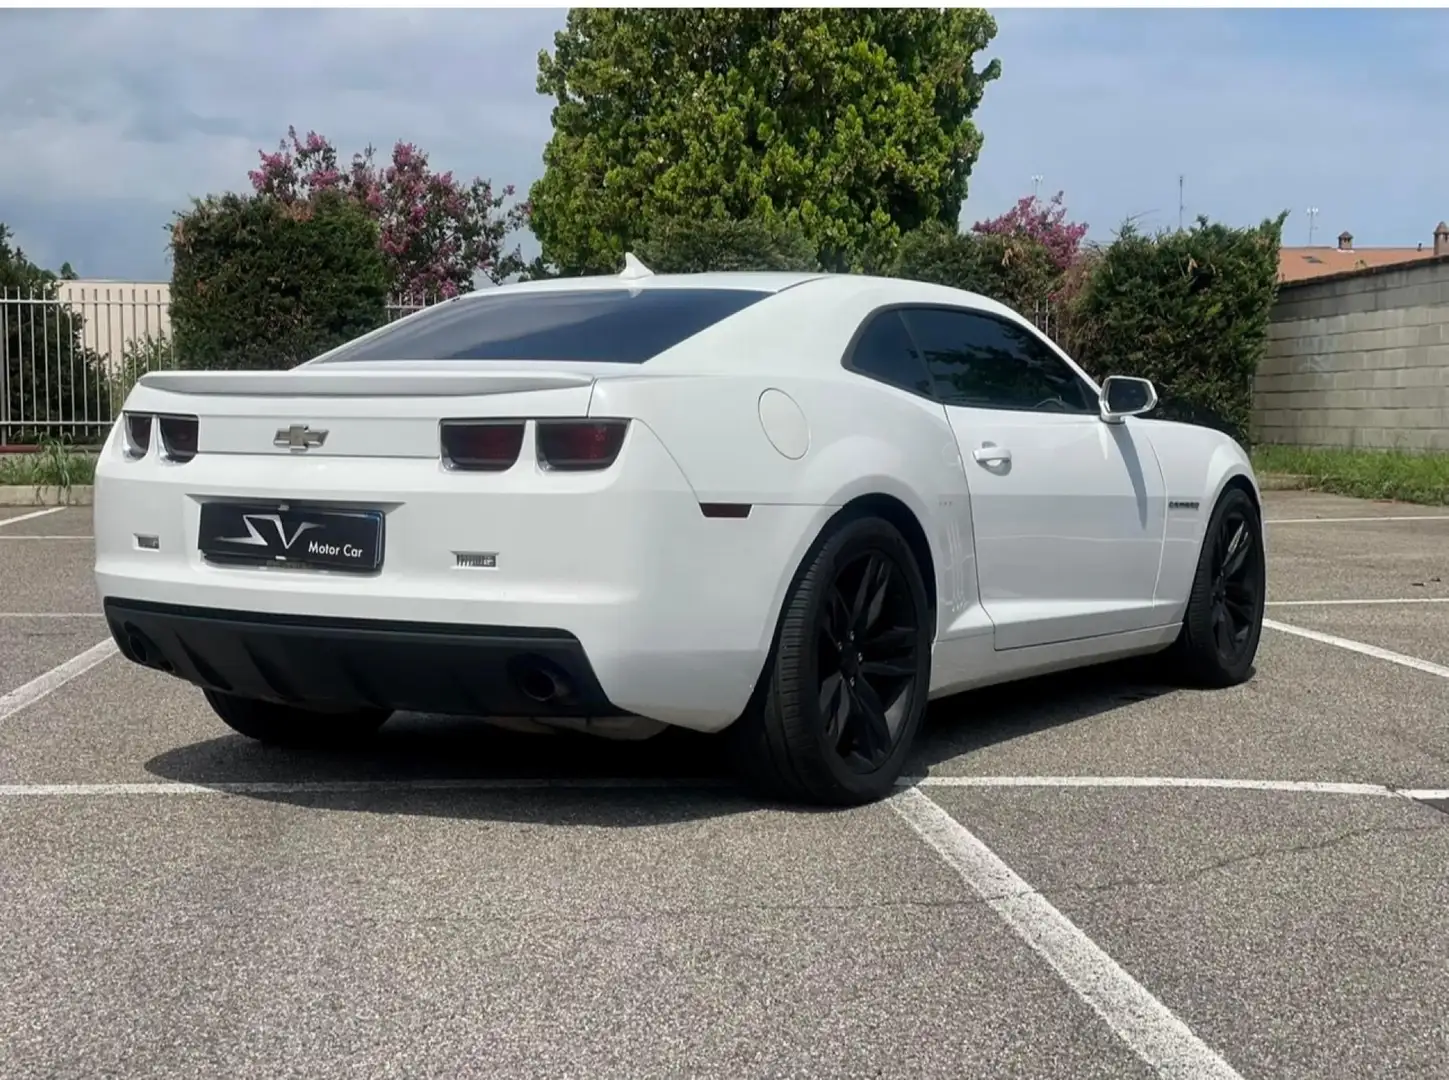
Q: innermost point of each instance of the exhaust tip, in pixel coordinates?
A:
(136, 644)
(143, 651)
(542, 682)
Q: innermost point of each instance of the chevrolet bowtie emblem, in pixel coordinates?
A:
(299, 437)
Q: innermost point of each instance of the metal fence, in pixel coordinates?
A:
(1044, 317)
(70, 353)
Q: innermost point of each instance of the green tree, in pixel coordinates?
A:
(258, 282)
(1189, 310)
(853, 125)
(687, 246)
(51, 384)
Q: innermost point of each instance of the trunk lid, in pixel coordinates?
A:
(379, 411)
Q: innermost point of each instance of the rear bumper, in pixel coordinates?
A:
(362, 663)
(671, 611)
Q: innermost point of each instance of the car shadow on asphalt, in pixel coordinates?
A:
(958, 725)
(677, 776)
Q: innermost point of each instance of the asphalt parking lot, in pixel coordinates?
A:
(1100, 876)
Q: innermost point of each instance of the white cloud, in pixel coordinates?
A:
(111, 120)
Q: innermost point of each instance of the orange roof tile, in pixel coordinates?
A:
(1306, 263)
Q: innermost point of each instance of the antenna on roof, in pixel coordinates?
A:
(633, 268)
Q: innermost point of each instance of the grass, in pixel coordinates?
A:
(1363, 474)
(53, 465)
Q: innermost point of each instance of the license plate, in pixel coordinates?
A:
(292, 535)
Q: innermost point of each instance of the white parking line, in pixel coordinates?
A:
(1307, 787)
(1148, 1027)
(1346, 520)
(1427, 794)
(348, 787)
(27, 517)
(1427, 666)
(52, 614)
(33, 536)
(1347, 603)
(492, 783)
(55, 678)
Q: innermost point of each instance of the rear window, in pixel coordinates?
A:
(619, 326)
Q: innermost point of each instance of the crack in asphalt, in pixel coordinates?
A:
(1195, 873)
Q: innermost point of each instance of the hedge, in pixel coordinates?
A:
(258, 283)
(1188, 309)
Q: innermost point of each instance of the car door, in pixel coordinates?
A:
(884, 351)
(1068, 512)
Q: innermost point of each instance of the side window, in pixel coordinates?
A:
(885, 351)
(982, 362)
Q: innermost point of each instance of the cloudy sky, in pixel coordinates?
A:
(111, 120)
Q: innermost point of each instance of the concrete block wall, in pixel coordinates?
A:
(1359, 360)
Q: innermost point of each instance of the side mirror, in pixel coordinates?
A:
(1124, 396)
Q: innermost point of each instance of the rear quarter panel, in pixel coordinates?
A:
(860, 438)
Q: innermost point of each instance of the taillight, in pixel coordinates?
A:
(178, 437)
(137, 432)
(580, 444)
(481, 445)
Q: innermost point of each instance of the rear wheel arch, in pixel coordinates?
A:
(783, 742)
(878, 504)
(893, 510)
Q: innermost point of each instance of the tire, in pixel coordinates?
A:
(1201, 655)
(787, 744)
(288, 725)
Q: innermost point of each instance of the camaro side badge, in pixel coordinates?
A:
(299, 437)
(1183, 504)
(254, 539)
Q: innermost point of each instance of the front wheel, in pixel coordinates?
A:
(846, 684)
(288, 725)
(1224, 620)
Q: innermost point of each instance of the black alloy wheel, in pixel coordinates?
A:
(1224, 620)
(845, 686)
(867, 659)
(1236, 585)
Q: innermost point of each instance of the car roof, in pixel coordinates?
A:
(804, 314)
(872, 288)
(751, 280)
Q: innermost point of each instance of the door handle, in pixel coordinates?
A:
(991, 455)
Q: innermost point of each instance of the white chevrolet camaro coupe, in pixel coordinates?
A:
(787, 507)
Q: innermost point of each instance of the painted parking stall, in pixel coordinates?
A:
(1090, 877)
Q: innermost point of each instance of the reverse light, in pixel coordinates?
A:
(481, 445)
(178, 437)
(136, 430)
(580, 444)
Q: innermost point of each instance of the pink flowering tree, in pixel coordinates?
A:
(1044, 222)
(435, 232)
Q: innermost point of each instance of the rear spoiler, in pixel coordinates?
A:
(320, 382)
